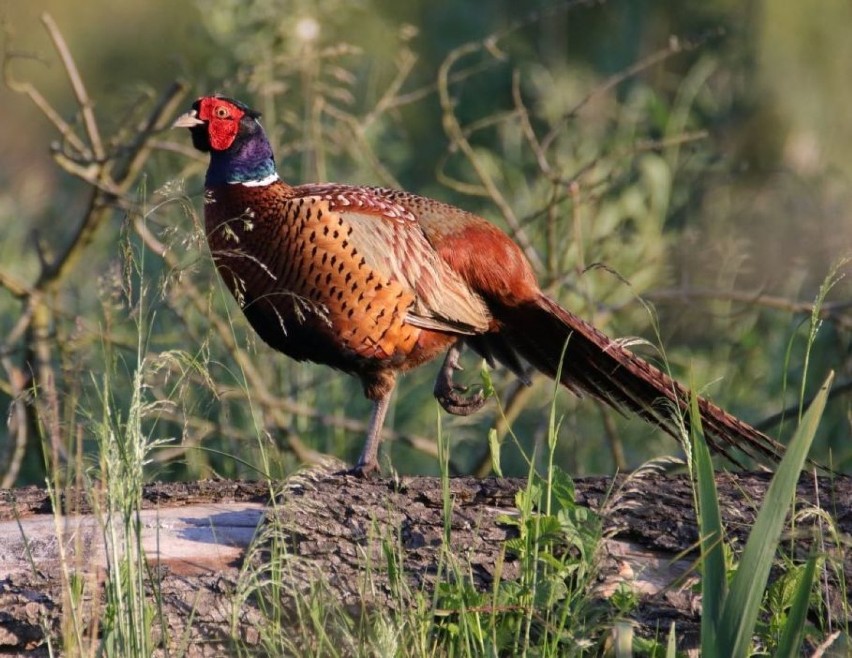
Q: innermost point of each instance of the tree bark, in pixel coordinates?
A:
(202, 542)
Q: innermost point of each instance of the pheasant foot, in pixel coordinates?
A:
(451, 395)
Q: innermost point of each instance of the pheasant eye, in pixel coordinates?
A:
(221, 112)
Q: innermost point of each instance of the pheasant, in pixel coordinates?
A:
(375, 282)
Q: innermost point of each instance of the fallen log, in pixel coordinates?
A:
(202, 539)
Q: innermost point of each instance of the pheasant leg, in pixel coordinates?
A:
(368, 462)
(449, 394)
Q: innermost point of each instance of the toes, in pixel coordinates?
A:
(365, 471)
(460, 405)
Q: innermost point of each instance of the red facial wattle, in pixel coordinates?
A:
(223, 121)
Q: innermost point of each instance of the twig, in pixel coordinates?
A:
(431, 88)
(17, 423)
(829, 311)
(15, 287)
(640, 146)
(456, 135)
(526, 125)
(77, 85)
(159, 119)
(793, 410)
(489, 43)
(825, 645)
(123, 178)
(362, 145)
(385, 103)
(27, 89)
(675, 47)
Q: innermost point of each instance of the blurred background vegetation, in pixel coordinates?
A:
(698, 151)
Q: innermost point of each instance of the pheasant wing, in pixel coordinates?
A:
(391, 241)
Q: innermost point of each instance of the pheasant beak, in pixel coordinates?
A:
(188, 120)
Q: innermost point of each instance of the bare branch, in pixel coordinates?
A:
(17, 424)
(431, 88)
(457, 137)
(77, 85)
(792, 412)
(27, 89)
(675, 47)
(15, 287)
(829, 311)
(391, 93)
(125, 175)
(362, 147)
(526, 126)
(159, 119)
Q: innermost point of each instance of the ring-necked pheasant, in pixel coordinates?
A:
(374, 282)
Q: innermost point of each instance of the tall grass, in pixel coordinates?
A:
(126, 621)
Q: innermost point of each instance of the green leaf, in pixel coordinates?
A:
(794, 630)
(506, 519)
(671, 644)
(487, 383)
(714, 582)
(494, 449)
(743, 602)
(527, 499)
(562, 489)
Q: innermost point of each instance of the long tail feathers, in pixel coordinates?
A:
(539, 331)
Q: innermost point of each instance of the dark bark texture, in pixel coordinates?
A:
(203, 539)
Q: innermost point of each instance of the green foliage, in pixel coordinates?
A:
(654, 164)
(547, 611)
(596, 162)
(730, 613)
(789, 600)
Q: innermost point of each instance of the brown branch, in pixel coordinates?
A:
(641, 146)
(361, 147)
(457, 138)
(675, 47)
(526, 125)
(829, 311)
(431, 88)
(28, 90)
(386, 102)
(124, 177)
(158, 119)
(840, 388)
(489, 43)
(93, 165)
(77, 85)
(17, 424)
(15, 287)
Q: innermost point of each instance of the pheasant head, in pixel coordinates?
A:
(231, 132)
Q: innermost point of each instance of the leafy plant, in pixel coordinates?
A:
(730, 612)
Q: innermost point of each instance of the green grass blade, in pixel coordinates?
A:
(671, 643)
(713, 583)
(794, 630)
(743, 602)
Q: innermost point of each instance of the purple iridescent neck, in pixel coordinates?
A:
(248, 161)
